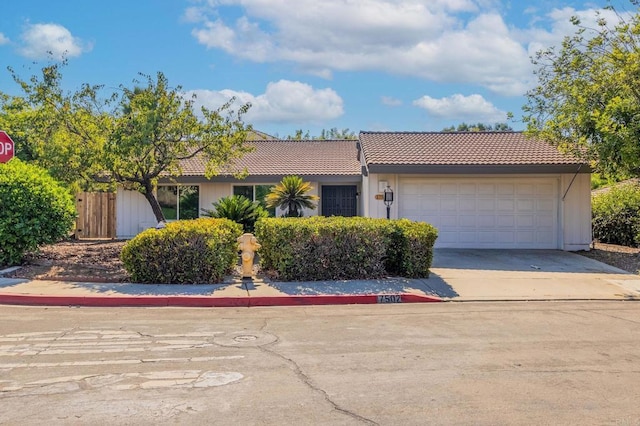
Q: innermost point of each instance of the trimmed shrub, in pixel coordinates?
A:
(239, 209)
(35, 209)
(410, 249)
(184, 252)
(616, 215)
(333, 248)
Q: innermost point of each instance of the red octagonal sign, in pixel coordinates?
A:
(7, 147)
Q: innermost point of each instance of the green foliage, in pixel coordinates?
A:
(599, 180)
(410, 248)
(587, 101)
(156, 128)
(331, 248)
(291, 195)
(131, 136)
(36, 210)
(61, 132)
(616, 215)
(239, 209)
(184, 252)
(331, 134)
(478, 127)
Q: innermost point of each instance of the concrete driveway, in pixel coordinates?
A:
(528, 275)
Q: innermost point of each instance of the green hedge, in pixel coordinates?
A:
(333, 248)
(616, 215)
(185, 252)
(35, 209)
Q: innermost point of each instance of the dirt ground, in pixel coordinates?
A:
(76, 260)
(99, 261)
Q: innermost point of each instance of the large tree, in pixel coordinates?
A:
(133, 136)
(62, 132)
(587, 101)
(156, 128)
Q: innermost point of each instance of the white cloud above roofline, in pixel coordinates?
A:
(283, 101)
(447, 41)
(43, 41)
(473, 108)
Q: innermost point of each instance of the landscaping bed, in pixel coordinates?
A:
(99, 261)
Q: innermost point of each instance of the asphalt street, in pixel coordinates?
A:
(451, 363)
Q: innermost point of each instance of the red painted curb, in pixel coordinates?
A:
(208, 301)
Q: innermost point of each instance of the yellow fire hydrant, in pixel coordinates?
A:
(248, 244)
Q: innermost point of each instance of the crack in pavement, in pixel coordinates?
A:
(308, 382)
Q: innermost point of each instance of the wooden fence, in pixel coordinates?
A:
(96, 215)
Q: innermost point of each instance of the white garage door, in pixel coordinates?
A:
(484, 212)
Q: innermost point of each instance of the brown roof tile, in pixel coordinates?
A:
(459, 148)
(285, 157)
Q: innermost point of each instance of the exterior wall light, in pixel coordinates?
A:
(388, 200)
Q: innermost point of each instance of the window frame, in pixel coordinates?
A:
(177, 199)
(272, 211)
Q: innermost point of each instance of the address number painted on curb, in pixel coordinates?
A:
(390, 298)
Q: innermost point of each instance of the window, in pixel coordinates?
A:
(179, 201)
(255, 193)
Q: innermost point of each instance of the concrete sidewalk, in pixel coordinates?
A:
(457, 275)
(232, 292)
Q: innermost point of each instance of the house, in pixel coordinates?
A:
(331, 166)
(480, 189)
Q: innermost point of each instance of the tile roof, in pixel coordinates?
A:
(459, 148)
(285, 157)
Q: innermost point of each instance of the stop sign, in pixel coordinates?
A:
(6, 147)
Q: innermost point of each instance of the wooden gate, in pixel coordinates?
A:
(96, 215)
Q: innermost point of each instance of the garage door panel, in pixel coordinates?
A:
(526, 205)
(486, 189)
(468, 221)
(449, 189)
(467, 204)
(506, 189)
(505, 237)
(544, 237)
(527, 221)
(486, 205)
(506, 205)
(449, 221)
(505, 221)
(545, 189)
(468, 189)
(468, 237)
(486, 222)
(485, 212)
(525, 189)
(525, 237)
(448, 204)
(544, 205)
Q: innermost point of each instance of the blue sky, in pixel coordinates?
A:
(402, 65)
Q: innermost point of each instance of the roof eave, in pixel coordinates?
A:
(478, 168)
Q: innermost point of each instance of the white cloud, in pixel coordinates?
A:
(449, 41)
(3, 39)
(390, 101)
(559, 26)
(473, 108)
(282, 102)
(41, 41)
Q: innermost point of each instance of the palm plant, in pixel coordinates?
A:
(291, 195)
(239, 209)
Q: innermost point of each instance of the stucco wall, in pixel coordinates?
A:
(134, 215)
(576, 211)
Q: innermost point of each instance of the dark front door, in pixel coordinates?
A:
(339, 200)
